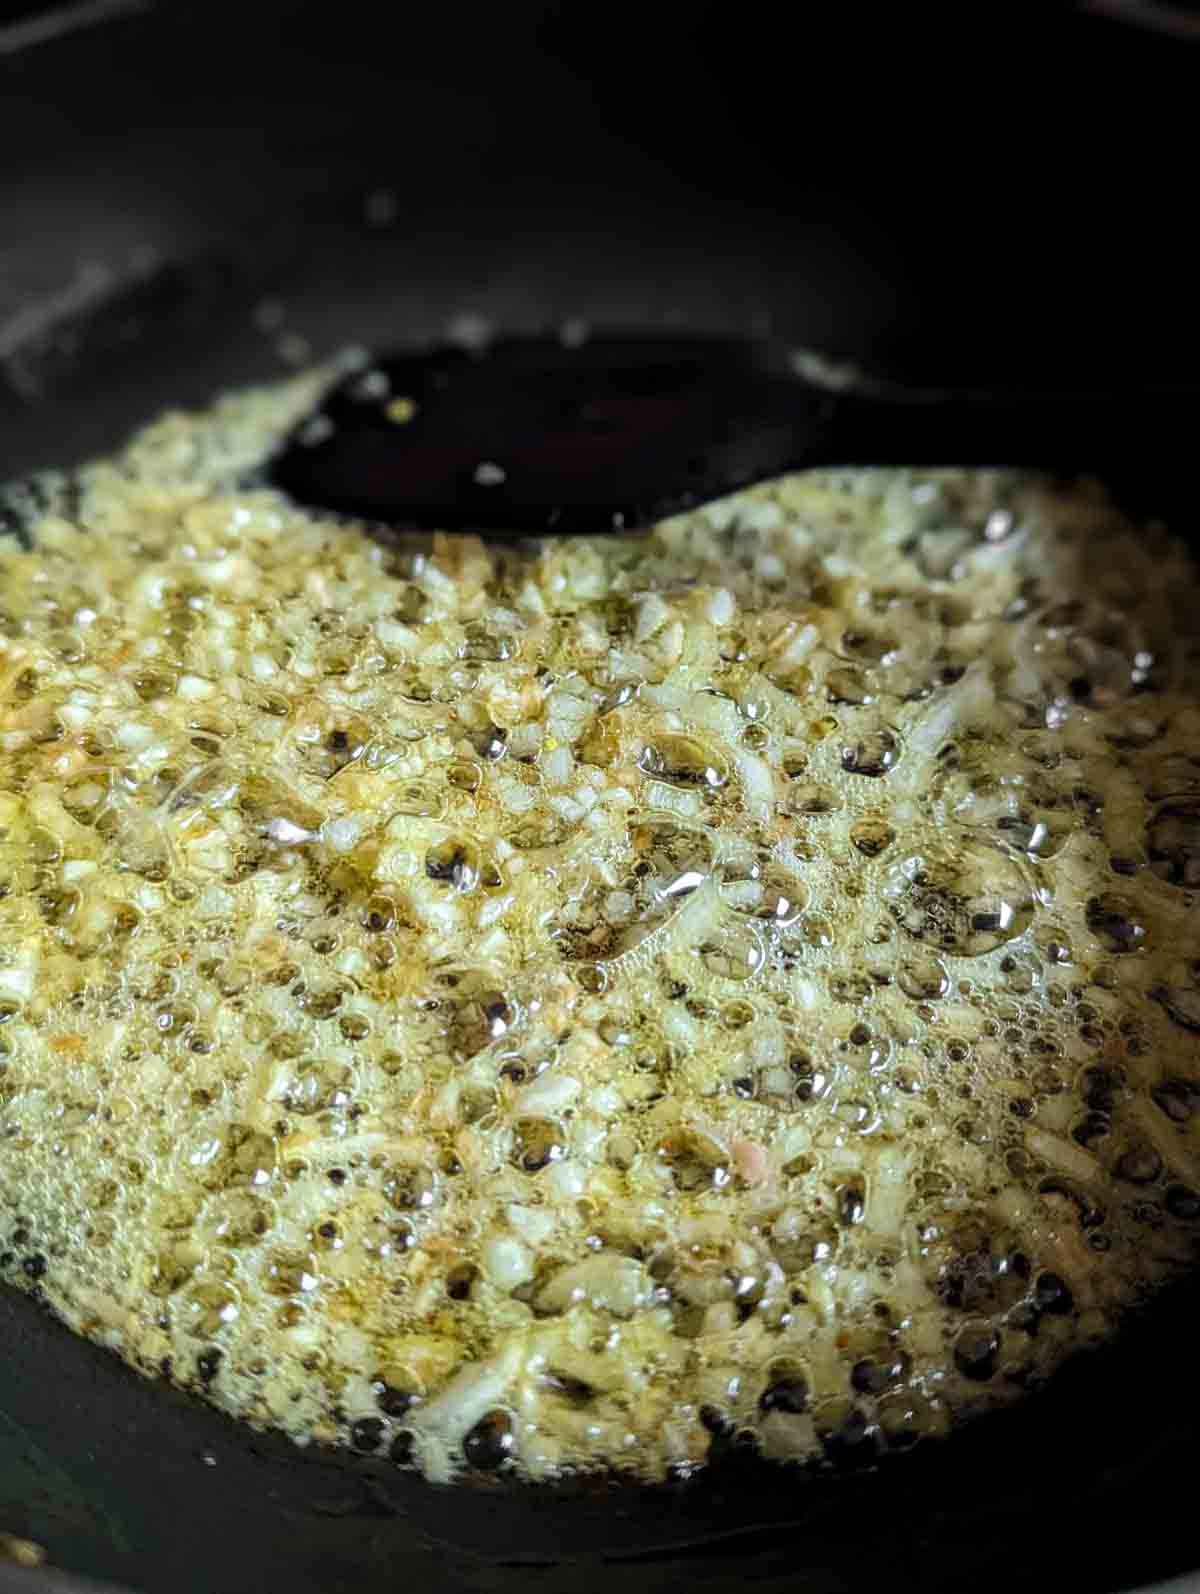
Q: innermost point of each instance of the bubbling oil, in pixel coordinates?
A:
(587, 1004)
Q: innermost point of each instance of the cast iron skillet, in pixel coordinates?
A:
(194, 198)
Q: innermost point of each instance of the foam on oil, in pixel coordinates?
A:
(559, 1007)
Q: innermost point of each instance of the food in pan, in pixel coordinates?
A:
(585, 1004)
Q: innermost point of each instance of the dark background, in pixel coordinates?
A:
(196, 195)
(994, 193)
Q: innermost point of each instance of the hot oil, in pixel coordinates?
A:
(588, 1005)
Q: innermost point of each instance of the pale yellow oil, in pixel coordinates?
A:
(549, 1006)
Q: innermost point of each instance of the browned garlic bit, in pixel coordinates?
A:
(558, 1007)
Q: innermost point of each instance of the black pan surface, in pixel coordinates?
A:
(195, 197)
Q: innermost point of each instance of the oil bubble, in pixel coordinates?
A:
(967, 902)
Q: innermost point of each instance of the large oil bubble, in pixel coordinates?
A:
(965, 899)
(668, 862)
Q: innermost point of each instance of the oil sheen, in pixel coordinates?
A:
(565, 1006)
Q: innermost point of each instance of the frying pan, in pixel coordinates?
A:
(193, 197)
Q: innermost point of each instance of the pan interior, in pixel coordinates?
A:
(595, 1005)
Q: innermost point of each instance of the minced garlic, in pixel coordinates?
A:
(557, 1006)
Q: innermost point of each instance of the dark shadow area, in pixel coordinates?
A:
(997, 195)
(1085, 1488)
